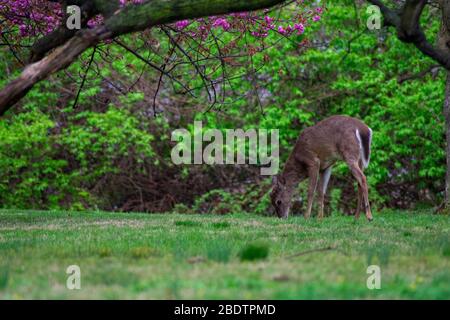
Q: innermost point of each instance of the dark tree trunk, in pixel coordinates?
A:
(447, 135)
(444, 45)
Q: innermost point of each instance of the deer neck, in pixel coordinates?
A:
(290, 174)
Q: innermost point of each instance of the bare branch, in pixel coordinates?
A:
(84, 78)
(407, 23)
(431, 69)
(129, 19)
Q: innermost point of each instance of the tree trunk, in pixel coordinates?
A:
(443, 42)
(447, 136)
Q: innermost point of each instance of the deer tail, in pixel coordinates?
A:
(364, 139)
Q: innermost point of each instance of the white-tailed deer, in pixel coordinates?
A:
(316, 150)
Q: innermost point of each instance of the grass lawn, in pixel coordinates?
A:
(241, 256)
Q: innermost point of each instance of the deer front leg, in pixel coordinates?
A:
(313, 175)
(323, 184)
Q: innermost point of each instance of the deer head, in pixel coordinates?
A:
(280, 197)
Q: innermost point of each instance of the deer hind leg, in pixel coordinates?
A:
(359, 203)
(362, 182)
(360, 194)
(313, 175)
(323, 184)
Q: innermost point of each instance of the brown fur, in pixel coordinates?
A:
(316, 150)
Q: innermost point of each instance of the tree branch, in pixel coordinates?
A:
(431, 69)
(57, 60)
(131, 18)
(407, 24)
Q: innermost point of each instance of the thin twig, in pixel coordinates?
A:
(197, 68)
(84, 78)
(419, 75)
(137, 55)
(8, 44)
(329, 248)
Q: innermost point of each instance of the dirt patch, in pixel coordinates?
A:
(75, 225)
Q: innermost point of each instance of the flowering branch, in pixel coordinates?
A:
(104, 20)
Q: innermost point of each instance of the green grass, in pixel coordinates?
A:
(128, 256)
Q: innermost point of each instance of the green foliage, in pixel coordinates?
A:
(218, 202)
(34, 167)
(254, 199)
(100, 140)
(182, 209)
(31, 175)
(254, 251)
(187, 223)
(335, 197)
(221, 225)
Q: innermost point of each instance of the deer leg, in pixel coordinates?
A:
(323, 184)
(360, 194)
(362, 182)
(359, 203)
(313, 174)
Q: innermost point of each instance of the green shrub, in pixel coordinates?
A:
(32, 174)
(221, 225)
(188, 223)
(218, 202)
(254, 251)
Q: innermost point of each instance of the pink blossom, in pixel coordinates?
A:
(299, 27)
(33, 18)
(221, 22)
(268, 19)
(180, 25)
